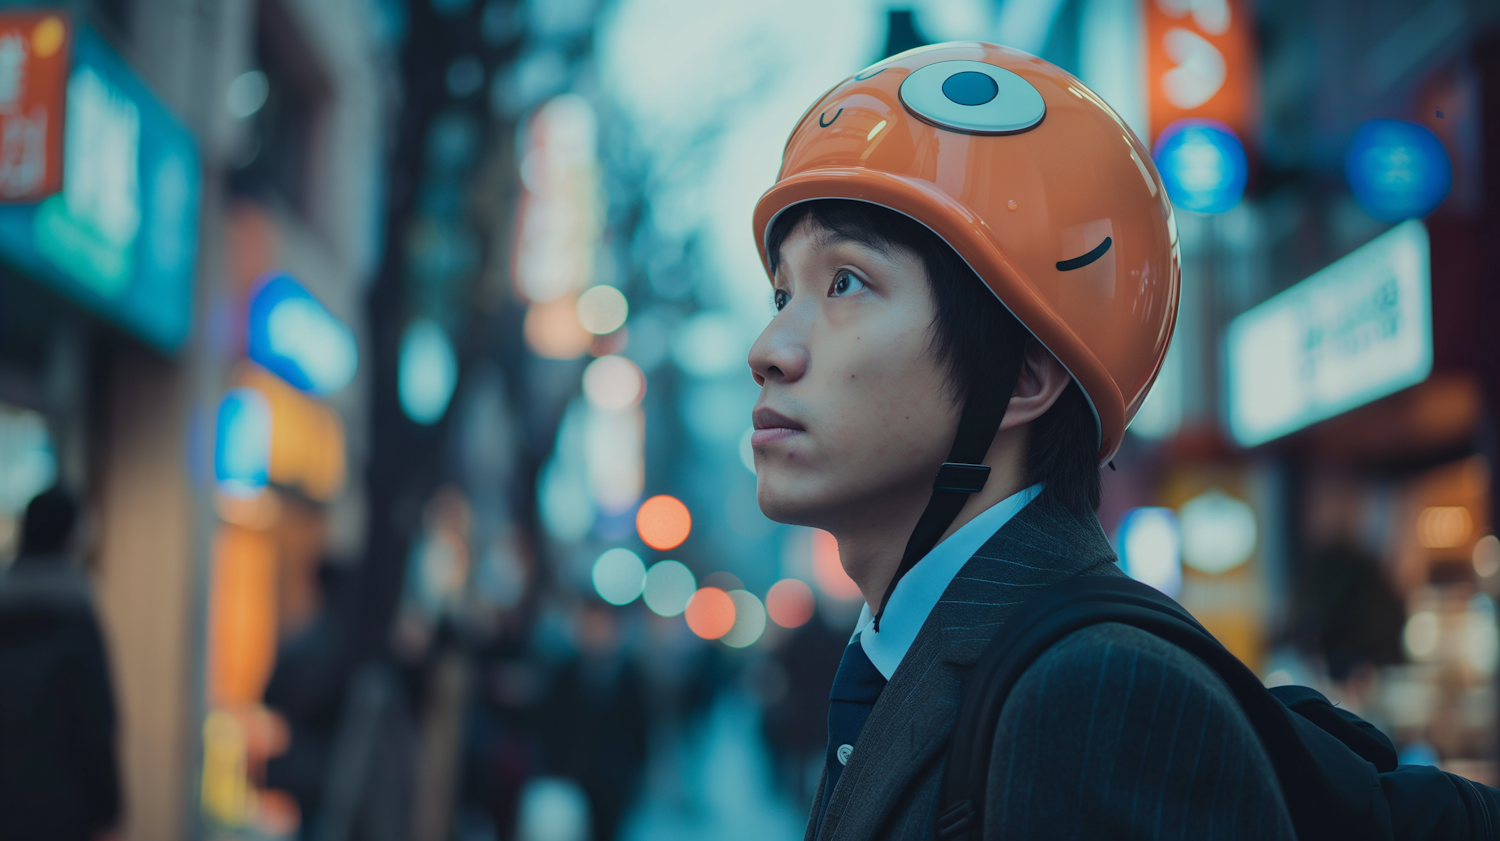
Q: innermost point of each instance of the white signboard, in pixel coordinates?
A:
(1354, 332)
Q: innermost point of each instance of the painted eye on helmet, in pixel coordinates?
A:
(973, 97)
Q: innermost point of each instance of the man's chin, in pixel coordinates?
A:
(786, 506)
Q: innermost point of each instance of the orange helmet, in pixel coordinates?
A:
(1032, 179)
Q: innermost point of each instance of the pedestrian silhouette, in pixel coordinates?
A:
(58, 777)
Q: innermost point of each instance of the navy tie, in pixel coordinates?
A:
(855, 687)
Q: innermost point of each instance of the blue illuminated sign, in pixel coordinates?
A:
(1397, 170)
(242, 443)
(292, 335)
(1203, 165)
(122, 236)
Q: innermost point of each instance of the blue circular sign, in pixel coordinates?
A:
(1397, 170)
(1203, 164)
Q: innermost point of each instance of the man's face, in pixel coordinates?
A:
(854, 411)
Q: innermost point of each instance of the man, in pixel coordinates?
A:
(58, 779)
(974, 267)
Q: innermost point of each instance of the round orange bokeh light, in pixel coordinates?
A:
(790, 603)
(663, 522)
(710, 613)
(828, 571)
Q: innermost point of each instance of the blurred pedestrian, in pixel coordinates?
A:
(58, 776)
(794, 723)
(595, 721)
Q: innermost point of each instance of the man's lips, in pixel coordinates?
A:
(772, 426)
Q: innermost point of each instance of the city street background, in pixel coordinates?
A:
(394, 353)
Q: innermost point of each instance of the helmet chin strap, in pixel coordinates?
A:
(962, 474)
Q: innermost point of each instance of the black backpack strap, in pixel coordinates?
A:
(1326, 797)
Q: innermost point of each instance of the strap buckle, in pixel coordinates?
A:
(953, 823)
(961, 478)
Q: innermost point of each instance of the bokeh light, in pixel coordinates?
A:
(613, 383)
(242, 449)
(710, 613)
(552, 809)
(246, 94)
(1218, 532)
(1421, 635)
(749, 620)
(619, 576)
(614, 451)
(1486, 556)
(828, 572)
(669, 587)
(1151, 548)
(427, 372)
(602, 309)
(790, 603)
(1444, 526)
(663, 522)
(552, 330)
(1397, 169)
(559, 214)
(1203, 165)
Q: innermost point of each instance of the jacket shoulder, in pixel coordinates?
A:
(1121, 733)
(1111, 651)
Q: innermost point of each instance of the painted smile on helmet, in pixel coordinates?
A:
(1085, 259)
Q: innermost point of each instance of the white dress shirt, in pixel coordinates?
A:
(918, 591)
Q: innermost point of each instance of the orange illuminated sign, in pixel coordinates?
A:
(1201, 63)
(307, 438)
(242, 617)
(34, 58)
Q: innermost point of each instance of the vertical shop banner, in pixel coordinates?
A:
(121, 236)
(1201, 63)
(34, 54)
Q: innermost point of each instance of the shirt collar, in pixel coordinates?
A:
(918, 591)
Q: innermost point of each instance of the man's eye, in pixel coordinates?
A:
(780, 298)
(845, 283)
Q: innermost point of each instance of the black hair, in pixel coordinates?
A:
(49, 521)
(974, 336)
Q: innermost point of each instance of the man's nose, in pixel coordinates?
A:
(780, 353)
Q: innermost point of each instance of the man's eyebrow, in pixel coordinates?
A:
(826, 237)
(1084, 259)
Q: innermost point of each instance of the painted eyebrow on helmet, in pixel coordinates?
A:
(1083, 260)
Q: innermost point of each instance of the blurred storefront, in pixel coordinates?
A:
(1311, 473)
(309, 100)
(154, 165)
(99, 239)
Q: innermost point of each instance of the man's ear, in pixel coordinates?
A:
(1042, 381)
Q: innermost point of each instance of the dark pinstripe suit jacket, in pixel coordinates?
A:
(1112, 733)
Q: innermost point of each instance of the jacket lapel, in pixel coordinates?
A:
(907, 728)
(910, 726)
